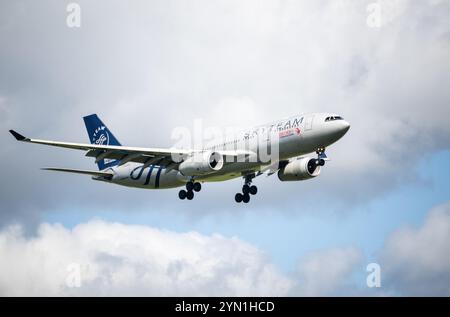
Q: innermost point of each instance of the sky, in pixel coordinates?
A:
(149, 67)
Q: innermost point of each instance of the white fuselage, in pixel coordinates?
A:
(296, 136)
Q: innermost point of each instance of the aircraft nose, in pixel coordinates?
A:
(345, 126)
(341, 128)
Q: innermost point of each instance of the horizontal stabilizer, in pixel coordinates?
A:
(84, 172)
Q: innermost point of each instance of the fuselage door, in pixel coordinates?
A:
(308, 122)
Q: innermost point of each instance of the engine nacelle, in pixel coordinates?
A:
(300, 169)
(201, 164)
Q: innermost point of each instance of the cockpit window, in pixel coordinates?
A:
(333, 118)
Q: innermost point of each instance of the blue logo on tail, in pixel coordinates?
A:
(99, 134)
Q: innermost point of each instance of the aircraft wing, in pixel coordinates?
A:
(123, 153)
(272, 168)
(148, 156)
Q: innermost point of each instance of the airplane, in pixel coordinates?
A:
(221, 160)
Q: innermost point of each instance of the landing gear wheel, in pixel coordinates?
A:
(321, 162)
(190, 195)
(189, 186)
(247, 189)
(182, 194)
(197, 187)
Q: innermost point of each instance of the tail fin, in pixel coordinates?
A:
(99, 134)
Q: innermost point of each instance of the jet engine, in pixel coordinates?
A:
(201, 164)
(301, 169)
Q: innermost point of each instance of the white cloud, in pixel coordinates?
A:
(151, 66)
(327, 272)
(228, 62)
(110, 259)
(117, 259)
(416, 261)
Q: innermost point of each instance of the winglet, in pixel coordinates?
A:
(18, 136)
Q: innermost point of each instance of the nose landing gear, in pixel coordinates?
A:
(247, 190)
(191, 187)
(321, 156)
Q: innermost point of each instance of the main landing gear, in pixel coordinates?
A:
(191, 187)
(247, 190)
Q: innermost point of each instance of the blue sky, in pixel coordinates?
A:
(286, 238)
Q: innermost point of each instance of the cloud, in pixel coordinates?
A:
(327, 272)
(149, 67)
(416, 261)
(110, 259)
(100, 258)
(117, 259)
